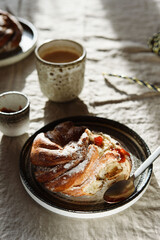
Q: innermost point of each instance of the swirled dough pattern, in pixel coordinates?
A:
(76, 161)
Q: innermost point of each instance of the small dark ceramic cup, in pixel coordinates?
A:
(14, 113)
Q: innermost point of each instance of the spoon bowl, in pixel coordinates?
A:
(121, 190)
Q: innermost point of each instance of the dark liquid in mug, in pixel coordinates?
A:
(60, 56)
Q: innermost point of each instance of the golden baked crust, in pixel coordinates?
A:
(76, 161)
(10, 32)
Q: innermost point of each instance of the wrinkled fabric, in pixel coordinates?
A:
(115, 35)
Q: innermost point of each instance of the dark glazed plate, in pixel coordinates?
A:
(26, 46)
(87, 207)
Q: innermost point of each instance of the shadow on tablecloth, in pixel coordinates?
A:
(54, 111)
(10, 80)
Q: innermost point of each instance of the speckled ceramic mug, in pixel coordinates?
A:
(61, 82)
(14, 113)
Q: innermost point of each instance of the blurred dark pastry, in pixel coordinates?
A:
(76, 161)
(10, 32)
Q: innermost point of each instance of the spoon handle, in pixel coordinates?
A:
(147, 162)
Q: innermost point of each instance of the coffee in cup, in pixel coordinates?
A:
(61, 66)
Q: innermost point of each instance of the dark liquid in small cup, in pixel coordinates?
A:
(60, 56)
(7, 110)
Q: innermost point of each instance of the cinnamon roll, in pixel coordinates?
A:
(77, 161)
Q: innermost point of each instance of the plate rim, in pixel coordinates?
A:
(81, 214)
(77, 213)
(16, 58)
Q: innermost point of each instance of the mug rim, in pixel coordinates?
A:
(19, 111)
(60, 64)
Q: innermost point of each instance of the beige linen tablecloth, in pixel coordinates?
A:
(115, 35)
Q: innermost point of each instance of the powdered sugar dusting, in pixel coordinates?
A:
(79, 168)
(69, 165)
(82, 165)
(69, 149)
(43, 170)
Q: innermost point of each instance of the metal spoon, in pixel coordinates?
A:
(121, 190)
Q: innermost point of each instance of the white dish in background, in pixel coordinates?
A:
(27, 45)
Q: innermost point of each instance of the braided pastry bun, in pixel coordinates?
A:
(76, 161)
(10, 32)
